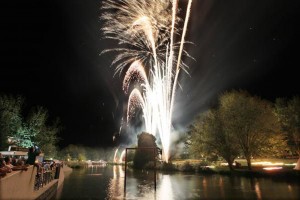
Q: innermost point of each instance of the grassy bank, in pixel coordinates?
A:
(284, 172)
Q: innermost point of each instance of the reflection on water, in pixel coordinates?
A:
(257, 190)
(165, 190)
(108, 183)
(116, 184)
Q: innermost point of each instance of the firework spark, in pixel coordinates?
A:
(146, 31)
(115, 155)
(122, 156)
(137, 72)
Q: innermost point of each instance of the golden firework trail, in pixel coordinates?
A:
(146, 31)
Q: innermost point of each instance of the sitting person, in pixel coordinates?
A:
(20, 165)
(8, 161)
(237, 164)
(4, 169)
(20, 162)
(52, 165)
(14, 161)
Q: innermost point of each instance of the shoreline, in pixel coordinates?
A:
(286, 174)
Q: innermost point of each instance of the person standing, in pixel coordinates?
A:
(32, 153)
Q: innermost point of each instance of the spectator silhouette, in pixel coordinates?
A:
(32, 153)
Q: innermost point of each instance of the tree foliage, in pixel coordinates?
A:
(288, 112)
(10, 117)
(80, 153)
(240, 123)
(27, 130)
(253, 124)
(74, 152)
(45, 132)
(208, 137)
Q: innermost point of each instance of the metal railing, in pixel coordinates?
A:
(43, 177)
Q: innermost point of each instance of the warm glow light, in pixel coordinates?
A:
(210, 166)
(224, 164)
(291, 164)
(264, 163)
(267, 163)
(271, 168)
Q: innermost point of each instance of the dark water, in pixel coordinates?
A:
(108, 183)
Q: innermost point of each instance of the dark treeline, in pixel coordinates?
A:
(81, 153)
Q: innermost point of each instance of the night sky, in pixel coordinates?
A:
(50, 55)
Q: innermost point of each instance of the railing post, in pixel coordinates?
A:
(125, 172)
(154, 168)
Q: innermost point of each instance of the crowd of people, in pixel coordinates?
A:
(9, 163)
(47, 170)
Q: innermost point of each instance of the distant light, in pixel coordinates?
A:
(291, 164)
(267, 163)
(224, 164)
(210, 166)
(271, 168)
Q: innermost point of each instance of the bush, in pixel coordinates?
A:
(187, 167)
(167, 166)
(76, 164)
(142, 158)
(149, 165)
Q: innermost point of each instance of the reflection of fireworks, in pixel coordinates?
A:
(115, 155)
(147, 29)
(122, 156)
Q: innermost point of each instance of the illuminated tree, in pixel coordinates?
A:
(10, 117)
(288, 112)
(35, 130)
(23, 137)
(208, 137)
(252, 123)
(76, 153)
(45, 132)
(240, 123)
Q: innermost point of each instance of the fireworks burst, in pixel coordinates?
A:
(146, 31)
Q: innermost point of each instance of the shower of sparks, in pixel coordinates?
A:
(146, 32)
(122, 156)
(115, 155)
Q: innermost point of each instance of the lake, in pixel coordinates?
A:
(108, 183)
